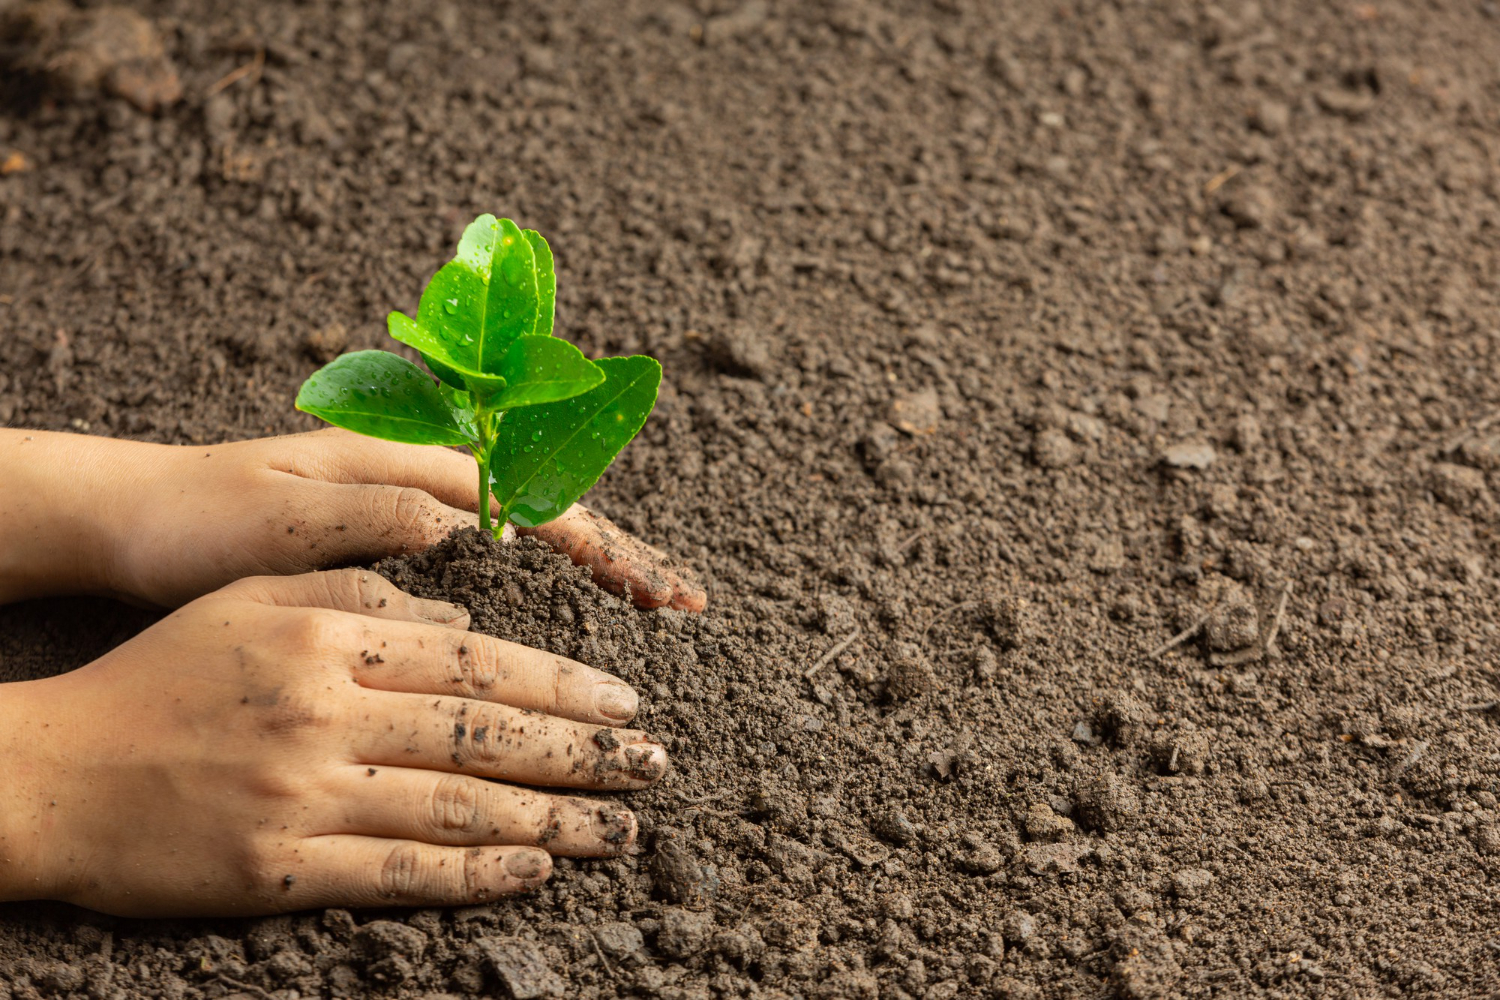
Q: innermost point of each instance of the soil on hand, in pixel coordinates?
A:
(1086, 418)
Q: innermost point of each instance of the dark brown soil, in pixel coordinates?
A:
(1004, 343)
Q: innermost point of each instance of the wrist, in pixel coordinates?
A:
(26, 813)
(63, 500)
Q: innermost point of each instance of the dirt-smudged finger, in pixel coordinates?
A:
(351, 870)
(621, 563)
(487, 740)
(356, 591)
(460, 811)
(421, 661)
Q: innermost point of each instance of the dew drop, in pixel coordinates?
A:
(536, 435)
(451, 305)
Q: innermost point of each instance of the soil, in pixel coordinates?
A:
(1086, 416)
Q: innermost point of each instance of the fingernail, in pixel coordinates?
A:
(615, 828)
(617, 701)
(440, 612)
(528, 865)
(646, 761)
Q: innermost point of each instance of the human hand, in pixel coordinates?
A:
(164, 524)
(296, 742)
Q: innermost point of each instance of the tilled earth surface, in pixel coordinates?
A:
(1086, 416)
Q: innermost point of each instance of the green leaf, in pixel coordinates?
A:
(546, 283)
(382, 395)
(544, 370)
(461, 407)
(479, 302)
(405, 330)
(546, 457)
(449, 376)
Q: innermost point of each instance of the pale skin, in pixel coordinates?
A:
(290, 738)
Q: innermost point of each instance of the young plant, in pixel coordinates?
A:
(542, 420)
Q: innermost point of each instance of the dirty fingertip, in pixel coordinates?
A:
(528, 865)
(689, 597)
(614, 828)
(616, 701)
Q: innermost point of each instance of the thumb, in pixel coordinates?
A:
(361, 523)
(357, 591)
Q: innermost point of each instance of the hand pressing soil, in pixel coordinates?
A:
(163, 525)
(319, 740)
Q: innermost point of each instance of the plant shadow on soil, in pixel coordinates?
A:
(1003, 343)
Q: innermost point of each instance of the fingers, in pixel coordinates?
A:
(457, 810)
(498, 741)
(348, 870)
(359, 592)
(366, 522)
(468, 665)
(620, 563)
(340, 456)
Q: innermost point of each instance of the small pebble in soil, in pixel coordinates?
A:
(1190, 883)
(893, 826)
(909, 676)
(683, 933)
(1106, 805)
(1234, 625)
(1041, 822)
(1053, 449)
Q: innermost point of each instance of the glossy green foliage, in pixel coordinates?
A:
(382, 395)
(543, 420)
(543, 370)
(547, 457)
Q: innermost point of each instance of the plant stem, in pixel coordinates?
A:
(484, 487)
(486, 421)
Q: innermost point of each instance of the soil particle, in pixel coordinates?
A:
(1120, 717)
(1233, 625)
(82, 52)
(1041, 822)
(619, 940)
(1106, 804)
(679, 876)
(388, 950)
(1053, 449)
(909, 676)
(683, 933)
(1143, 963)
(1189, 455)
(1180, 752)
(1191, 883)
(520, 967)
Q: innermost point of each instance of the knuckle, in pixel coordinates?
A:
(409, 507)
(477, 736)
(261, 865)
(479, 667)
(478, 877)
(455, 805)
(359, 590)
(313, 630)
(403, 875)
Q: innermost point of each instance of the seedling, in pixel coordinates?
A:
(542, 420)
